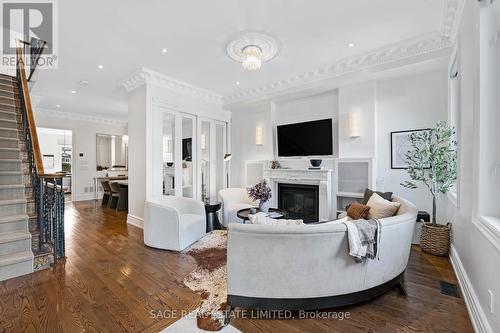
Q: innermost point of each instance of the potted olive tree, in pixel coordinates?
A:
(432, 161)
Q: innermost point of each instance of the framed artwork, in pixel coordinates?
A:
(400, 145)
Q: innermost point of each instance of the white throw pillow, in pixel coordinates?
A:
(381, 208)
(261, 218)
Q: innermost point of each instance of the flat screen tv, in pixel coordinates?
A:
(312, 138)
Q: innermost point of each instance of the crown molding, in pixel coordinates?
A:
(451, 14)
(81, 117)
(450, 18)
(416, 48)
(147, 76)
(412, 48)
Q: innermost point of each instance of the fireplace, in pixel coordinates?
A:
(300, 201)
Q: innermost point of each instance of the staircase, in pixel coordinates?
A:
(16, 253)
(31, 201)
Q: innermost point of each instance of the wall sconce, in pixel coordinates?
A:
(203, 141)
(354, 124)
(125, 139)
(258, 135)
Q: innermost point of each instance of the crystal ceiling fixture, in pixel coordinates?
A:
(253, 58)
(252, 49)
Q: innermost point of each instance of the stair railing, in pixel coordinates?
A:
(48, 193)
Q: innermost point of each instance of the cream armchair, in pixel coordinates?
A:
(233, 199)
(173, 223)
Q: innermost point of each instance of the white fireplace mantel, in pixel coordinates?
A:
(322, 178)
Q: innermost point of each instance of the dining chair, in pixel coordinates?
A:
(107, 192)
(119, 197)
(115, 194)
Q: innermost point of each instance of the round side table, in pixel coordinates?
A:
(211, 209)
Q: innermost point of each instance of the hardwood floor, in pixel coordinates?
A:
(111, 282)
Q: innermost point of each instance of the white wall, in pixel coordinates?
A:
(245, 121)
(84, 141)
(317, 107)
(398, 103)
(137, 105)
(358, 98)
(243, 124)
(410, 102)
(475, 254)
(146, 105)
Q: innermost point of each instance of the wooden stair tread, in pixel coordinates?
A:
(13, 218)
(12, 202)
(13, 236)
(14, 258)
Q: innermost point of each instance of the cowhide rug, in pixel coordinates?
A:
(209, 279)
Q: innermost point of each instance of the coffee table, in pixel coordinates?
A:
(243, 213)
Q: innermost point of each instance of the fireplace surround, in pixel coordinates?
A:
(321, 179)
(301, 201)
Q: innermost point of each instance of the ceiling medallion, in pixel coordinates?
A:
(252, 49)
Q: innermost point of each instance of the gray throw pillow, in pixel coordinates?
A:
(369, 193)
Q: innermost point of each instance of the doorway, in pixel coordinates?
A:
(56, 147)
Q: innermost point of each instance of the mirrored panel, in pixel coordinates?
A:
(220, 151)
(187, 157)
(205, 160)
(168, 154)
(112, 152)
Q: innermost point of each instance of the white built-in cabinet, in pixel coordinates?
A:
(352, 177)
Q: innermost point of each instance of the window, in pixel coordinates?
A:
(454, 114)
(489, 138)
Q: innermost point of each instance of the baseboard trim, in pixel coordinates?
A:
(476, 313)
(135, 221)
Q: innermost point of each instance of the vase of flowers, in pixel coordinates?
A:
(262, 193)
(432, 161)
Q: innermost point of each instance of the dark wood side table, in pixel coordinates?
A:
(211, 209)
(243, 213)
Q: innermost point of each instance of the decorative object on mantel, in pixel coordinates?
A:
(400, 145)
(434, 148)
(275, 164)
(261, 192)
(315, 163)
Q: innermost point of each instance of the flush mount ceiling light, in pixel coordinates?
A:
(252, 49)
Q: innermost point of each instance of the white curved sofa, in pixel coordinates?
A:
(308, 266)
(173, 223)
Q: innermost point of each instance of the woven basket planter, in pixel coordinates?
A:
(435, 239)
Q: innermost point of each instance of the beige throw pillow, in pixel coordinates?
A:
(381, 208)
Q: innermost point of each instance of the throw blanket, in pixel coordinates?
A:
(364, 239)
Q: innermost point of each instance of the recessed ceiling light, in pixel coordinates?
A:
(73, 91)
(237, 83)
(83, 82)
(58, 105)
(163, 50)
(100, 66)
(351, 44)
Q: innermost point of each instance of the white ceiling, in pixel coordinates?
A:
(124, 35)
